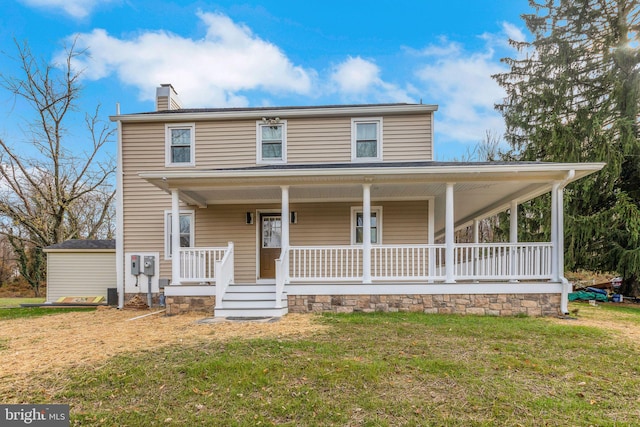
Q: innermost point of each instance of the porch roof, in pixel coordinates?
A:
(481, 188)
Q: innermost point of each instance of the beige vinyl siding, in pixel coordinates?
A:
(405, 223)
(319, 140)
(80, 274)
(225, 144)
(143, 149)
(162, 103)
(321, 224)
(407, 138)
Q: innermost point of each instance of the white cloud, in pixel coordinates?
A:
(461, 83)
(75, 8)
(513, 32)
(357, 79)
(211, 71)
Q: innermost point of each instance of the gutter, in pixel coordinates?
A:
(259, 113)
(119, 218)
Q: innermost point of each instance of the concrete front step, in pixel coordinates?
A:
(249, 296)
(250, 313)
(251, 288)
(251, 304)
(251, 301)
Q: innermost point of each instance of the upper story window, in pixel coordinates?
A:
(271, 141)
(180, 144)
(366, 139)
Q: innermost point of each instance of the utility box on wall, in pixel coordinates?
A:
(139, 267)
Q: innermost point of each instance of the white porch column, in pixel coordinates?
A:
(555, 247)
(476, 240)
(476, 231)
(431, 238)
(566, 286)
(285, 218)
(560, 232)
(175, 237)
(513, 222)
(449, 236)
(366, 233)
(513, 236)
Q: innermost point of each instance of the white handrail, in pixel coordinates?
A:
(282, 275)
(224, 274)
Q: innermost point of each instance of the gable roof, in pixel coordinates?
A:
(81, 245)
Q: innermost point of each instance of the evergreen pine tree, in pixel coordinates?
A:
(573, 95)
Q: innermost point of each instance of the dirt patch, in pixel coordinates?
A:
(624, 325)
(49, 343)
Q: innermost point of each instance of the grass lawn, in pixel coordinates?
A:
(369, 370)
(15, 302)
(25, 312)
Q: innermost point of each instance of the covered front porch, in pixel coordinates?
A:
(456, 195)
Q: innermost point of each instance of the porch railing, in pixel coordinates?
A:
(314, 263)
(482, 261)
(198, 265)
(407, 262)
(500, 261)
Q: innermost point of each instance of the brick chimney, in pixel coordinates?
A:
(167, 98)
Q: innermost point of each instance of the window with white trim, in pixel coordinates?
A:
(186, 231)
(180, 144)
(366, 139)
(271, 140)
(357, 225)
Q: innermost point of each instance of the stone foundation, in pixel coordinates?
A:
(534, 305)
(183, 304)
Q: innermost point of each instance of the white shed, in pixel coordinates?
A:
(80, 268)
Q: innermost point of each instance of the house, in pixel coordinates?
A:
(80, 268)
(264, 211)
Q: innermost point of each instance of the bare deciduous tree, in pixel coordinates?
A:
(49, 191)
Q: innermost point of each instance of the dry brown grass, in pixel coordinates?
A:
(44, 345)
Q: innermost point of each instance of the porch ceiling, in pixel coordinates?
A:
(481, 189)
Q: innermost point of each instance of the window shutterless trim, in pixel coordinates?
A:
(167, 226)
(354, 138)
(355, 210)
(259, 159)
(192, 145)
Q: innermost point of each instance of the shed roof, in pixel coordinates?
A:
(83, 245)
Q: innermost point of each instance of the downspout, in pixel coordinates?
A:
(566, 286)
(119, 216)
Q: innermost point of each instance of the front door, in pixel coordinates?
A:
(270, 243)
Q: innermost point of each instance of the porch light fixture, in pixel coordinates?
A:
(249, 219)
(294, 217)
(270, 120)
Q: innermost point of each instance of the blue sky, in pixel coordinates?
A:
(279, 53)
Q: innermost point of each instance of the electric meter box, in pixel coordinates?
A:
(149, 266)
